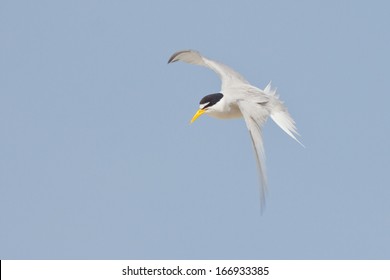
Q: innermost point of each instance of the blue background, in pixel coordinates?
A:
(98, 160)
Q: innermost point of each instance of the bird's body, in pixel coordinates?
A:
(238, 98)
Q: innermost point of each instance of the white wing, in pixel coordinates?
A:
(228, 76)
(255, 116)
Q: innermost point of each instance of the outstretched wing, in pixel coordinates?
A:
(255, 116)
(228, 76)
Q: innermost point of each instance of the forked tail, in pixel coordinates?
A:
(281, 116)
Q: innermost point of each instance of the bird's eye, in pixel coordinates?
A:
(204, 105)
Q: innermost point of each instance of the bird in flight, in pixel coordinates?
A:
(238, 98)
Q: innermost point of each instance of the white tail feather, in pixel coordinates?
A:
(281, 116)
(285, 122)
(269, 90)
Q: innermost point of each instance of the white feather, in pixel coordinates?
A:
(241, 99)
(228, 76)
(280, 115)
(254, 119)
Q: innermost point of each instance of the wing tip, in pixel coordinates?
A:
(175, 57)
(263, 197)
(172, 58)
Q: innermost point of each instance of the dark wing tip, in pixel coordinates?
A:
(171, 59)
(174, 56)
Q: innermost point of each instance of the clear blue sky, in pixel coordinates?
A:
(98, 160)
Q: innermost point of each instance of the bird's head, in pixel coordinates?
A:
(207, 105)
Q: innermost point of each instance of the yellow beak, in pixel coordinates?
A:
(197, 114)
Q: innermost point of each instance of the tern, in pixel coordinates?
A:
(238, 98)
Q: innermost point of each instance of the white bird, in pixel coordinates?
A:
(237, 98)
